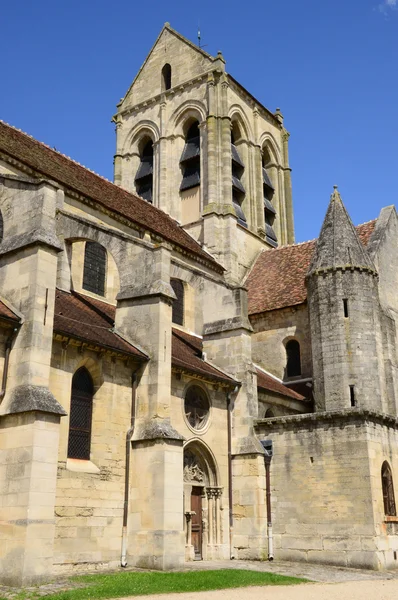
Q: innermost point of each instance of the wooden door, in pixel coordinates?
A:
(196, 507)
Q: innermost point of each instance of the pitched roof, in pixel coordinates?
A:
(186, 351)
(277, 279)
(56, 166)
(338, 244)
(270, 384)
(92, 321)
(7, 314)
(83, 318)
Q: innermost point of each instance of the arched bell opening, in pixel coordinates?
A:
(202, 503)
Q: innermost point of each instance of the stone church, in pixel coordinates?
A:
(180, 380)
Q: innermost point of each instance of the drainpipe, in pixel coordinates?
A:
(230, 499)
(129, 435)
(267, 445)
(9, 341)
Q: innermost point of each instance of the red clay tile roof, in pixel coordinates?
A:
(89, 320)
(277, 279)
(268, 383)
(54, 165)
(186, 353)
(7, 314)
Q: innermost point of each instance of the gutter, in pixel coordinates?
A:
(230, 494)
(129, 435)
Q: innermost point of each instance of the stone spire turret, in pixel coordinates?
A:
(343, 306)
(338, 245)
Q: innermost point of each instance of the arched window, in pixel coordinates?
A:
(178, 304)
(166, 77)
(388, 490)
(269, 413)
(81, 409)
(293, 364)
(1, 227)
(190, 159)
(269, 210)
(238, 191)
(144, 176)
(94, 272)
(196, 407)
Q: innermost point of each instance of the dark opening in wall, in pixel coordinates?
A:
(352, 395)
(293, 364)
(345, 306)
(166, 77)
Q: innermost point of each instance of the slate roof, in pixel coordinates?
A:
(269, 384)
(58, 167)
(7, 314)
(83, 318)
(186, 351)
(277, 279)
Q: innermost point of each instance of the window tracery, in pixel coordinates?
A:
(388, 490)
(81, 408)
(197, 407)
(94, 271)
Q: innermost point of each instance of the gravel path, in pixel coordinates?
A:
(349, 590)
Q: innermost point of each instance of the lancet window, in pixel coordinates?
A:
(388, 490)
(293, 363)
(94, 272)
(178, 304)
(190, 159)
(166, 77)
(81, 409)
(238, 190)
(269, 210)
(144, 176)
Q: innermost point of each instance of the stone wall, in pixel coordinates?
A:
(326, 488)
(89, 494)
(271, 332)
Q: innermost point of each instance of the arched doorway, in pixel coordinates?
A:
(202, 503)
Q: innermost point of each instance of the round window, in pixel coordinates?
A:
(196, 407)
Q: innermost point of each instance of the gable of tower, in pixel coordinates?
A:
(186, 61)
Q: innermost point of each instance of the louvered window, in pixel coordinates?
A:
(1, 227)
(144, 176)
(293, 364)
(238, 190)
(190, 159)
(94, 272)
(269, 210)
(178, 304)
(81, 409)
(388, 490)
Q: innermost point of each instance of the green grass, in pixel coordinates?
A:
(131, 583)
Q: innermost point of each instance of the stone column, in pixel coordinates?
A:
(287, 189)
(210, 501)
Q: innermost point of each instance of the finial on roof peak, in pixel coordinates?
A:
(167, 24)
(335, 194)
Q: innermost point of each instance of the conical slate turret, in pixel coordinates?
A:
(338, 245)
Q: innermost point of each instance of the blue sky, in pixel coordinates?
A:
(331, 66)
